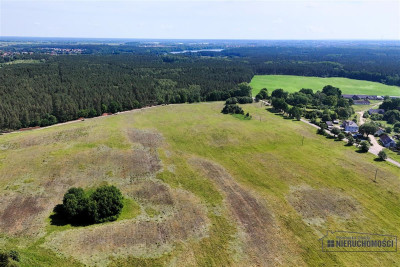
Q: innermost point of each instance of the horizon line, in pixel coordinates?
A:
(216, 39)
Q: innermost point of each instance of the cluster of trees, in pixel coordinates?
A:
(231, 104)
(232, 109)
(262, 95)
(69, 87)
(329, 99)
(102, 205)
(392, 111)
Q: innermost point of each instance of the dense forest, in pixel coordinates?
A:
(45, 83)
(377, 64)
(67, 87)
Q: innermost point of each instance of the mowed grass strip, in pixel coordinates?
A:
(266, 155)
(293, 83)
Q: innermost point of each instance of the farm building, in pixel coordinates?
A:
(376, 111)
(387, 141)
(379, 132)
(350, 126)
(329, 124)
(358, 97)
(362, 102)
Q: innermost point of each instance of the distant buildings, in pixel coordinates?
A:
(376, 111)
(361, 102)
(387, 141)
(329, 124)
(358, 97)
(350, 126)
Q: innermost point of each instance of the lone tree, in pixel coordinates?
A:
(341, 136)
(295, 112)
(364, 145)
(382, 155)
(368, 128)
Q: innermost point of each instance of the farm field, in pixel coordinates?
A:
(202, 189)
(292, 84)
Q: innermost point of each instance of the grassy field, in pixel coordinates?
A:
(374, 105)
(22, 61)
(202, 189)
(295, 83)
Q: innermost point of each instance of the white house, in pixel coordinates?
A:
(350, 126)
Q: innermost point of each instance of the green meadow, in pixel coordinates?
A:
(292, 84)
(270, 160)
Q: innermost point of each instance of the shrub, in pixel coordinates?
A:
(340, 136)
(388, 129)
(321, 131)
(364, 145)
(9, 259)
(350, 140)
(232, 109)
(105, 204)
(382, 155)
(244, 99)
(231, 101)
(14, 255)
(335, 131)
(75, 204)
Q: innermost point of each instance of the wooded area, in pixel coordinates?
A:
(40, 89)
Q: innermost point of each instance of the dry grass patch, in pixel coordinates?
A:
(23, 215)
(316, 205)
(148, 139)
(141, 237)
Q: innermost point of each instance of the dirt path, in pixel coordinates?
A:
(252, 215)
(362, 120)
(75, 121)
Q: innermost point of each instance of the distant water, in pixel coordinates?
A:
(195, 51)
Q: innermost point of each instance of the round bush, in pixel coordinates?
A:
(105, 204)
(75, 203)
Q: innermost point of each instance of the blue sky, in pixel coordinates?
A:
(218, 19)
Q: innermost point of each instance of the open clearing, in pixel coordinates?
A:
(205, 189)
(292, 84)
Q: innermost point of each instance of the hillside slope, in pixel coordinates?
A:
(205, 189)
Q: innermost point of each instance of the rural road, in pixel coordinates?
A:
(374, 149)
(74, 121)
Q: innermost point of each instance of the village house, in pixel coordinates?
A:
(329, 124)
(350, 126)
(358, 97)
(387, 141)
(376, 111)
(379, 132)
